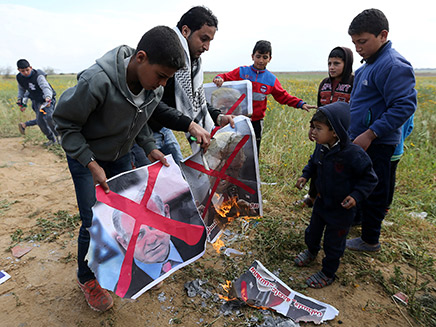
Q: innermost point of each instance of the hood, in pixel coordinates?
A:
(348, 64)
(113, 65)
(338, 114)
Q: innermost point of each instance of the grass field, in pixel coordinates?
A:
(408, 241)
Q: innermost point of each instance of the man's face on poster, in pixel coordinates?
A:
(152, 245)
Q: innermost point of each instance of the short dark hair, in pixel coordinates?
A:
(163, 47)
(369, 21)
(320, 117)
(263, 47)
(22, 63)
(337, 53)
(196, 17)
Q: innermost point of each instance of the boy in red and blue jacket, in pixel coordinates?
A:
(264, 83)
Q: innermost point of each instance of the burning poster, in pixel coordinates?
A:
(233, 97)
(225, 180)
(258, 287)
(146, 228)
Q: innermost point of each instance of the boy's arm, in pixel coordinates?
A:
(283, 97)
(233, 75)
(367, 178)
(21, 93)
(45, 87)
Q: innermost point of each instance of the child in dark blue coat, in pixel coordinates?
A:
(344, 178)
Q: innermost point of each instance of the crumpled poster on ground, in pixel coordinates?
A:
(258, 287)
(146, 228)
(225, 180)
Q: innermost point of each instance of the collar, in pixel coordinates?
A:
(257, 71)
(374, 57)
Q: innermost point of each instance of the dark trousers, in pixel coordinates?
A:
(258, 128)
(394, 165)
(335, 228)
(85, 195)
(373, 209)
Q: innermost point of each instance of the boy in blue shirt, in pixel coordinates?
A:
(382, 100)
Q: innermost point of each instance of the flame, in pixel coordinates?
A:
(218, 244)
(226, 205)
(227, 286)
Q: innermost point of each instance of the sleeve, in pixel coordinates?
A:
(283, 97)
(45, 87)
(145, 139)
(367, 179)
(234, 75)
(71, 113)
(310, 169)
(398, 90)
(21, 92)
(170, 117)
(214, 113)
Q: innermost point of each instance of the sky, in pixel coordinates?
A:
(68, 36)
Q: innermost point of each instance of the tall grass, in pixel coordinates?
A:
(285, 149)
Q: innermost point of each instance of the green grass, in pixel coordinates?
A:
(408, 242)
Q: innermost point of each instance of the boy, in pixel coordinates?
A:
(32, 83)
(382, 100)
(336, 87)
(103, 115)
(344, 177)
(264, 83)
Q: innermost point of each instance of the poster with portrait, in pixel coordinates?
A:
(225, 180)
(233, 97)
(260, 288)
(144, 229)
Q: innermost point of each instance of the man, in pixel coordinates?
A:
(154, 254)
(196, 29)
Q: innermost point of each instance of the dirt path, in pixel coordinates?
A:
(42, 291)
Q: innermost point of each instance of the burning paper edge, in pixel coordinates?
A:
(330, 313)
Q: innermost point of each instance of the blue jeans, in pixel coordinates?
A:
(373, 209)
(44, 121)
(166, 142)
(85, 195)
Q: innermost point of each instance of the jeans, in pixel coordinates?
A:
(44, 120)
(373, 209)
(85, 195)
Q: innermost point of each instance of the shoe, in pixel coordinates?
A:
(304, 258)
(22, 128)
(97, 298)
(49, 143)
(319, 280)
(357, 244)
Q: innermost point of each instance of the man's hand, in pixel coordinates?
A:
(365, 139)
(300, 183)
(223, 120)
(307, 107)
(202, 136)
(218, 81)
(98, 175)
(348, 202)
(156, 155)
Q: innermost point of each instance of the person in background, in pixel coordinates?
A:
(33, 85)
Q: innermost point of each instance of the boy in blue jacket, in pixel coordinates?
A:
(382, 100)
(344, 177)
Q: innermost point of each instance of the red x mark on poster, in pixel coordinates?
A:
(190, 234)
(220, 175)
(232, 108)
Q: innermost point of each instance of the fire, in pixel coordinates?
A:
(218, 244)
(226, 286)
(226, 205)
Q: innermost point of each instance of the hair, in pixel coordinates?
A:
(337, 53)
(263, 47)
(320, 117)
(370, 21)
(22, 63)
(196, 17)
(163, 47)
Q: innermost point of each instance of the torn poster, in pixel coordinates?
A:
(258, 287)
(146, 228)
(225, 180)
(4, 276)
(235, 97)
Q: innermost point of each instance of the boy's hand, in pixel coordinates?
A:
(307, 107)
(218, 81)
(349, 202)
(202, 136)
(300, 183)
(365, 139)
(223, 120)
(98, 176)
(156, 155)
